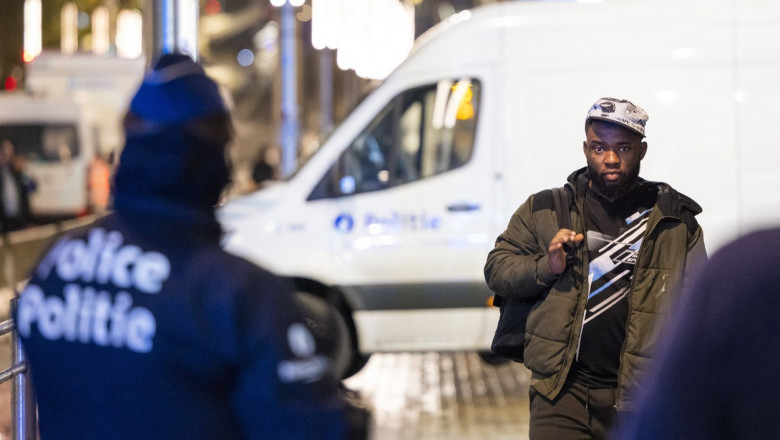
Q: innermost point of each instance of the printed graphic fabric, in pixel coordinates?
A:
(613, 242)
(610, 273)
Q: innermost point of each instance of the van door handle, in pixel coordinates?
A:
(463, 207)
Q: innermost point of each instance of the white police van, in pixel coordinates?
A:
(56, 144)
(396, 212)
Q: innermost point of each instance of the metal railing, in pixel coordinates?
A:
(19, 252)
(24, 417)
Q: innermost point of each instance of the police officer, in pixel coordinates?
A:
(140, 326)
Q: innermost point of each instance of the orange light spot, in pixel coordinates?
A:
(212, 7)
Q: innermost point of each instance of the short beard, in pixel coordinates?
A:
(613, 190)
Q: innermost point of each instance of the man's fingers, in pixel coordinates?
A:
(566, 236)
(556, 250)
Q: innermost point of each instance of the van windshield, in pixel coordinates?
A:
(422, 132)
(42, 142)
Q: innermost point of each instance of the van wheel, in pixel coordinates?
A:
(331, 332)
(493, 359)
(358, 362)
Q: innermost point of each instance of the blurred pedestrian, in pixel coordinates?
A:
(14, 190)
(99, 184)
(266, 166)
(139, 326)
(717, 371)
(601, 288)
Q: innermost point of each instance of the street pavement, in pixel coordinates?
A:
(448, 395)
(416, 396)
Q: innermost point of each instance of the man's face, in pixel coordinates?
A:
(613, 155)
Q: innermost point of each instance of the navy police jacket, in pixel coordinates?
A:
(131, 337)
(140, 326)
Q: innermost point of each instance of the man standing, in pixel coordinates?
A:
(633, 245)
(139, 326)
(15, 213)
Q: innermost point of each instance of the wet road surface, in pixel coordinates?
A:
(438, 396)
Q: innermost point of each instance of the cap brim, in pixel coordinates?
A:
(612, 121)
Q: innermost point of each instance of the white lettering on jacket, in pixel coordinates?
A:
(88, 315)
(307, 366)
(104, 260)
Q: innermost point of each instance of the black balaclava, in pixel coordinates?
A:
(166, 170)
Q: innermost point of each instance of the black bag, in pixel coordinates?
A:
(509, 339)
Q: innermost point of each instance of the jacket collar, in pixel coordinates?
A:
(155, 216)
(669, 201)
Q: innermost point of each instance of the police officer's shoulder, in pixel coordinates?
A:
(242, 269)
(232, 284)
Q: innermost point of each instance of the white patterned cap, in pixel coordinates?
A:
(619, 111)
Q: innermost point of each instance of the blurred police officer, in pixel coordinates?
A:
(716, 376)
(140, 326)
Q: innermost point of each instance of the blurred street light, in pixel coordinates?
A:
(69, 30)
(129, 34)
(371, 36)
(32, 29)
(100, 37)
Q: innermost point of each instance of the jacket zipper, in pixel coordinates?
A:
(639, 255)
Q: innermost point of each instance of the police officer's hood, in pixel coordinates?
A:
(167, 171)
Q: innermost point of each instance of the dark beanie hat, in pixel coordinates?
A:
(176, 90)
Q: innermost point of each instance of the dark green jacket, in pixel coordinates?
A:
(672, 250)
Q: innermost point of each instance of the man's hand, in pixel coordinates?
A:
(557, 253)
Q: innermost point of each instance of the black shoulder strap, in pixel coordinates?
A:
(561, 200)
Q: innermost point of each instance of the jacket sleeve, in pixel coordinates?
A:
(696, 257)
(517, 266)
(285, 386)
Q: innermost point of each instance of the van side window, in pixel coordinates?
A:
(422, 132)
(43, 142)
